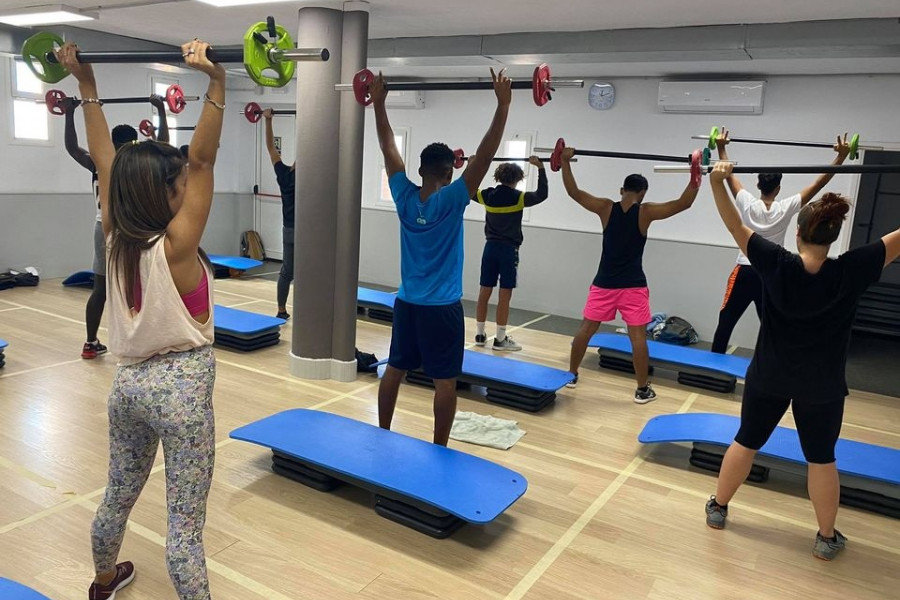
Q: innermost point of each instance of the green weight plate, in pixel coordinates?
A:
(34, 52)
(707, 155)
(257, 61)
(713, 134)
(854, 147)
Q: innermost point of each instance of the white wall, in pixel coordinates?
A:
(690, 256)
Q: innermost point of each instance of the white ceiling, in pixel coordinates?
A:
(174, 21)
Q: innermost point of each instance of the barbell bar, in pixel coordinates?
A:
(812, 169)
(174, 98)
(556, 155)
(541, 85)
(147, 128)
(854, 142)
(460, 158)
(276, 54)
(253, 112)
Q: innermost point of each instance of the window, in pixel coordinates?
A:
(30, 119)
(520, 145)
(159, 86)
(401, 138)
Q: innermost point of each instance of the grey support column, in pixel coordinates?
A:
(315, 216)
(354, 53)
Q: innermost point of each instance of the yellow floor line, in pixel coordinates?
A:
(527, 324)
(33, 369)
(242, 303)
(688, 403)
(27, 474)
(731, 350)
(246, 297)
(47, 313)
(13, 308)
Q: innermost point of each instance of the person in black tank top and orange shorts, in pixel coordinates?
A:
(620, 284)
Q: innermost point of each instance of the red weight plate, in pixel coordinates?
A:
(253, 112)
(540, 84)
(146, 128)
(175, 99)
(696, 170)
(53, 98)
(361, 82)
(459, 158)
(556, 157)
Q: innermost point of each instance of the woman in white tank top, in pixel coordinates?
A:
(154, 210)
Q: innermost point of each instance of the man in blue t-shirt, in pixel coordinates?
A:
(429, 330)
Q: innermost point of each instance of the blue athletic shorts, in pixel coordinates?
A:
(430, 337)
(501, 261)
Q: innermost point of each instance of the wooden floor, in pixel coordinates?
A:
(603, 517)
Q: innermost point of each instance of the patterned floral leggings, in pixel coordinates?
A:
(166, 398)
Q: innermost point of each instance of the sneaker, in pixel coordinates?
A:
(124, 576)
(283, 315)
(480, 340)
(572, 384)
(828, 549)
(715, 514)
(92, 350)
(508, 344)
(644, 395)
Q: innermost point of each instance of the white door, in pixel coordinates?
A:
(267, 204)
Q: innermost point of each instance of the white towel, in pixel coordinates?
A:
(485, 430)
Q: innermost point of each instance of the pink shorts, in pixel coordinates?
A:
(632, 303)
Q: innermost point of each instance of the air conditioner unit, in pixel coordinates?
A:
(405, 99)
(720, 97)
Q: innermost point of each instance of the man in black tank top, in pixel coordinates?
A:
(620, 285)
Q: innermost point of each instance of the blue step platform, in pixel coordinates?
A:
(430, 488)
(3, 346)
(245, 331)
(376, 304)
(870, 474)
(226, 266)
(509, 382)
(10, 590)
(698, 368)
(80, 279)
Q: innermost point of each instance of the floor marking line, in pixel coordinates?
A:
(33, 369)
(528, 323)
(688, 403)
(13, 308)
(731, 350)
(287, 378)
(27, 473)
(245, 303)
(49, 314)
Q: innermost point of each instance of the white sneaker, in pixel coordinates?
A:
(507, 345)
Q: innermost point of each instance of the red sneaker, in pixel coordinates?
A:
(124, 576)
(92, 350)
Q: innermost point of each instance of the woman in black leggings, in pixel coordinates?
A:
(801, 353)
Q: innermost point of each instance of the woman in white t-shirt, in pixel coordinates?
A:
(769, 218)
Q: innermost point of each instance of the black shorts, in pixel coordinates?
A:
(818, 425)
(431, 337)
(501, 261)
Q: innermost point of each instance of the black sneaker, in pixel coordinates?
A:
(124, 576)
(283, 315)
(716, 514)
(480, 340)
(92, 349)
(828, 549)
(644, 395)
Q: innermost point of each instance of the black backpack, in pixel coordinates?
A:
(365, 362)
(675, 331)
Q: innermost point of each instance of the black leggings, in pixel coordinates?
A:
(818, 425)
(93, 311)
(744, 287)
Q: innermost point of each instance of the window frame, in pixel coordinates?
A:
(382, 201)
(23, 96)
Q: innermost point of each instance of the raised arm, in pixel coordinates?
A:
(727, 210)
(100, 144)
(270, 137)
(600, 206)
(842, 147)
(891, 246)
(80, 155)
(393, 162)
(477, 168)
(659, 211)
(540, 194)
(186, 228)
(721, 142)
(163, 133)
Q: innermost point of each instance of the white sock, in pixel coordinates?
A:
(479, 328)
(501, 333)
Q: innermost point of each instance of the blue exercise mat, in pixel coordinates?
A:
(80, 279)
(10, 590)
(468, 487)
(735, 366)
(239, 263)
(853, 458)
(368, 297)
(242, 323)
(3, 345)
(513, 372)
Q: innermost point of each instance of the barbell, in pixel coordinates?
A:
(147, 128)
(540, 84)
(174, 97)
(276, 54)
(556, 155)
(854, 142)
(253, 112)
(460, 158)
